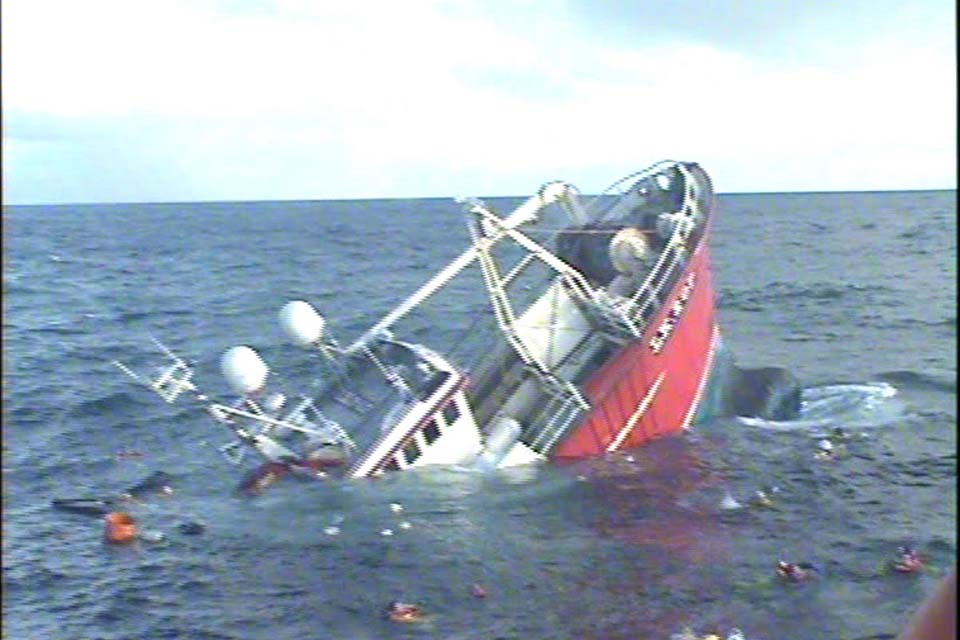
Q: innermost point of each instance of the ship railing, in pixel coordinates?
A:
(615, 315)
(502, 308)
(296, 420)
(373, 414)
(566, 402)
(626, 317)
(299, 416)
(400, 418)
(652, 292)
(175, 379)
(527, 212)
(574, 278)
(561, 388)
(552, 422)
(427, 405)
(621, 188)
(632, 316)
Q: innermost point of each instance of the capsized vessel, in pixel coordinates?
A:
(601, 336)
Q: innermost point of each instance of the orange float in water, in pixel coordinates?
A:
(121, 528)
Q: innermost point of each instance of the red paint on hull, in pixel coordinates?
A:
(629, 407)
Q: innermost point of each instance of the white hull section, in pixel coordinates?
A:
(426, 435)
(552, 326)
(520, 454)
(458, 442)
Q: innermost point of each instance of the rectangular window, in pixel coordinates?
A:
(451, 412)
(411, 451)
(431, 432)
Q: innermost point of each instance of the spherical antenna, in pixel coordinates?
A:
(244, 369)
(629, 251)
(302, 324)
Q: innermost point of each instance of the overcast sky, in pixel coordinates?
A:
(135, 101)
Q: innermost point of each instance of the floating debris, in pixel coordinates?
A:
(826, 450)
(908, 561)
(156, 483)
(191, 528)
(120, 528)
(85, 506)
(799, 572)
(477, 591)
(404, 612)
(762, 499)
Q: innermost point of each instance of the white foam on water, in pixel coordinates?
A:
(849, 406)
(729, 502)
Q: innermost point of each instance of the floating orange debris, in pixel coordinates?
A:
(121, 528)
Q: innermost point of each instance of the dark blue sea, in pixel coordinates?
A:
(855, 293)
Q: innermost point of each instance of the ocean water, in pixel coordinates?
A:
(855, 293)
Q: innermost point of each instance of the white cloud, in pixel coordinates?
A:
(366, 99)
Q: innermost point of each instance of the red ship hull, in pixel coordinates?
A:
(643, 392)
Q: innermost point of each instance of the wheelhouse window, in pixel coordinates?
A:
(432, 384)
(411, 450)
(431, 432)
(451, 412)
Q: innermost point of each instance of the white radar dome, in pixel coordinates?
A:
(244, 369)
(302, 324)
(629, 251)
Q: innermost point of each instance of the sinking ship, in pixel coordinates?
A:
(602, 335)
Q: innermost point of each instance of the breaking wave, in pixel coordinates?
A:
(863, 405)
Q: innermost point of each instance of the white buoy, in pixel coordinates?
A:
(301, 322)
(244, 369)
